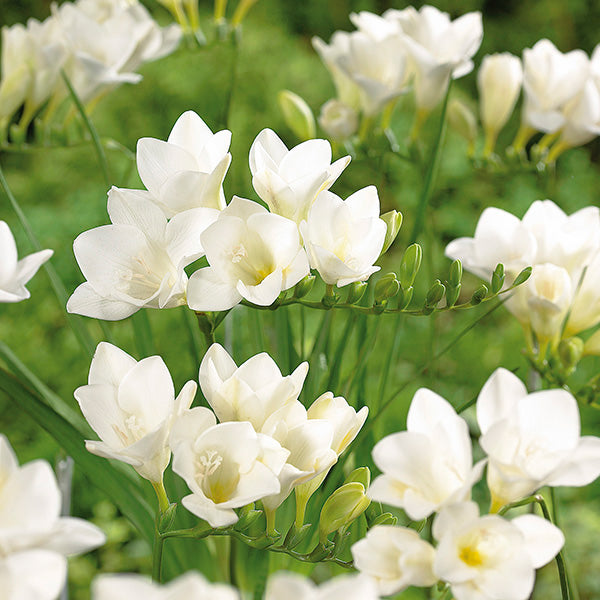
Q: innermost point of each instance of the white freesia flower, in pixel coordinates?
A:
(338, 120)
(251, 392)
(499, 82)
(253, 254)
(550, 80)
(532, 440)
(344, 238)
(291, 586)
(34, 539)
(32, 57)
(131, 406)
(348, 91)
(490, 557)
(544, 235)
(289, 180)
(585, 310)
(439, 48)
(395, 558)
(137, 587)
(108, 42)
(226, 466)
(139, 260)
(378, 67)
(187, 170)
(429, 465)
(14, 273)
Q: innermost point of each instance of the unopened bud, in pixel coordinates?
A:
(497, 278)
(361, 475)
(479, 294)
(393, 220)
(384, 519)
(342, 507)
(387, 287)
(435, 294)
(456, 272)
(338, 120)
(356, 291)
(462, 119)
(570, 352)
(304, 286)
(410, 265)
(297, 115)
(407, 295)
(522, 277)
(17, 134)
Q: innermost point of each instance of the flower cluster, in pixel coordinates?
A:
(531, 440)
(34, 539)
(253, 254)
(374, 65)
(561, 297)
(98, 44)
(265, 444)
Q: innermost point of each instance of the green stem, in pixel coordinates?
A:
(161, 495)
(92, 130)
(431, 171)
(157, 554)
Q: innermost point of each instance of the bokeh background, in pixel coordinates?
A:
(63, 193)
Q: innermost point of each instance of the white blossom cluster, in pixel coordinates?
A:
(98, 44)
(561, 298)
(252, 253)
(264, 445)
(531, 441)
(387, 55)
(34, 539)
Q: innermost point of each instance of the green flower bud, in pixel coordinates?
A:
(452, 295)
(166, 518)
(498, 278)
(342, 507)
(384, 519)
(17, 134)
(407, 296)
(570, 352)
(462, 120)
(393, 220)
(356, 291)
(361, 475)
(410, 265)
(387, 287)
(435, 294)
(304, 286)
(456, 272)
(331, 297)
(479, 294)
(297, 115)
(522, 277)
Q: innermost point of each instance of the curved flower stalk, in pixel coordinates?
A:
(532, 440)
(14, 273)
(290, 180)
(139, 260)
(394, 558)
(491, 557)
(429, 465)
(559, 247)
(291, 586)
(125, 586)
(186, 171)
(499, 81)
(35, 540)
(344, 238)
(253, 255)
(132, 406)
(226, 466)
(251, 392)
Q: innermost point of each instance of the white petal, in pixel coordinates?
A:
(207, 291)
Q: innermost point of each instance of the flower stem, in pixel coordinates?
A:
(157, 553)
(161, 494)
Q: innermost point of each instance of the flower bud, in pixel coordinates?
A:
(479, 294)
(498, 278)
(342, 507)
(499, 82)
(522, 277)
(570, 352)
(463, 121)
(304, 286)
(297, 115)
(435, 294)
(410, 265)
(338, 120)
(356, 291)
(407, 295)
(387, 287)
(361, 475)
(384, 519)
(456, 272)
(393, 220)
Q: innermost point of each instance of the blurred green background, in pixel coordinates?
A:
(63, 193)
